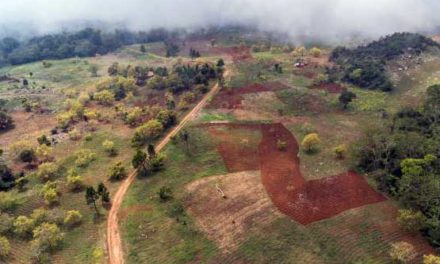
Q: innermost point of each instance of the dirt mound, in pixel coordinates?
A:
(304, 201)
(232, 99)
(330, 87)
(227, 221)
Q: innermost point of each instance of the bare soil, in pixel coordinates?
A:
(227, 221)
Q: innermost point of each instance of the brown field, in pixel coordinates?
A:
(227, 221)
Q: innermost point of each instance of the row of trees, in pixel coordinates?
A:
(86, 42)
(404, 156)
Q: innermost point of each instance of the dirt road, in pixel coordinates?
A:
(114, 243)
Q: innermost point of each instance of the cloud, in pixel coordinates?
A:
(319, 19)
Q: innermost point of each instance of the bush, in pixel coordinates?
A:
(431, 259)
(44, 152)
(73, 218)
(410, 220)
(9, 201)
(50, 196)
(47, 171)
(74, 181)
(47, 236)
(23, 226)
(54, 216)
(117, 172)
(402, 252)
(6, 121)
(109, 147)
(165, 193)
(6, 223)
(311, 142)
(315, 52)
(43, 140)
(104, 97)
(5, 247)
(84, 157)
(340, 151)
(18, 147)
(27, 155)
(74, 134)
(157, 162)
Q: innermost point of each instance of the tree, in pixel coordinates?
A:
(50, 192)
(5, 247)
(151, 150)
(7, 179)
(74, 181)
(346, 97)
(109, 147)
(311, 142)
(220, 63)
(402, 252)
(139, 159)
(6, 121)
(23, 225)
(171, 49)
(156, 162)
(185, 137)
(410, 220)
(431, 259)
(146, 132)
(84, 157)
(91, 197)
(73, 218)
(93, 69)
(47, 236)
(104, 193)
(43, 140)
(143, 49)
(117, 172)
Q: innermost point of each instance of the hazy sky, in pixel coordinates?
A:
(316, 18)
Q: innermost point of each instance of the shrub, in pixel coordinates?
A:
(281, 145)
(27, 155)
(74, 181)
(5, 247)
(410, 220)
(109, 147)
(133, 116)
(340, 151)
(50, 196)
(104, 97)
(47, 236)
(431, 259)
(23, 226)
(6, 223)
(54, 216)
(165, 193)
(9, 201)
(47, 171)
(6, 121)
(73, 218)
(74, 134)
(20, 146)
(117, 172)
(44, 152)
(157, 162)
(315, 52)
(402, 252)
(84, 157)
(43, 140)
(311, 142)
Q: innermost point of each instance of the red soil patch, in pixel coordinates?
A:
(231, 99)
(304, 201)
(233, 151)
(238, 54)
(330, 87)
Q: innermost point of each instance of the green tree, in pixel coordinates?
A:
(104, 193)
(143, 49)
(346, 97)
(47, 236)
(47, 171)
(91, 197)
(149, 131)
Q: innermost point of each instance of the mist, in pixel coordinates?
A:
(325, 20)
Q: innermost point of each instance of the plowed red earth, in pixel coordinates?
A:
(233, 98)
(304, 201)
(238, 54)
(331, 87)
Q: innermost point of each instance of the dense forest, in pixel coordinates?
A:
(84, 43)
(404, 158)
(364, 66)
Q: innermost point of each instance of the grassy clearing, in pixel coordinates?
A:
(164, 233)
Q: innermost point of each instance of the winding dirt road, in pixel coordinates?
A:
(114, 243)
